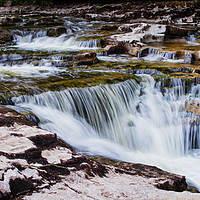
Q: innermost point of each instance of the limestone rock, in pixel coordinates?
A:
(88, 58)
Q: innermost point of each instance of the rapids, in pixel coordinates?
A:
(134, 121)
(126, 121)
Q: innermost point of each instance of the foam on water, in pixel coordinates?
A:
(61, 43)
(126, 121)
(29, 70)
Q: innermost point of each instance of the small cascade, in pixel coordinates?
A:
(192, 37)
(188, 57)
(158, 55)
(28, 36)
(39, 41)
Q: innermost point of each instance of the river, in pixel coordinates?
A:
(138, 120)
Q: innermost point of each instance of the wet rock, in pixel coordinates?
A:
(177, 184)
(109, 27)
(50, 21)
(174, 32)
(56, 31)
(88, 58)
(120, 48)
(143, 52)
(9, 20)
(5, 36)
(8, 117)
(20, 185)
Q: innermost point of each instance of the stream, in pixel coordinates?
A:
(140, 119)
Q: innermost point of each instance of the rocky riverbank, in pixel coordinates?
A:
(35, 164)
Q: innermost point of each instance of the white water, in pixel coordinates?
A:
(157, 55)
(32, 41)
(45, 69)
(125, 121)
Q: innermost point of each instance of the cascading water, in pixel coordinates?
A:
(39, 40)
(126, 121)
(157, 55)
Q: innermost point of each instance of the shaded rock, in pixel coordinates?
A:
(9, 20)
(43, 140)
(143, 52)
(20, 185)
(109, 27)
(48, 21)
(177, 184)
(88, 58)
(56, 31)
(8, 117)
(5, 36)
(174, 32)
(120, 48)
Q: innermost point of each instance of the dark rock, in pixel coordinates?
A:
(109, 27)
(144, 52)
(174, 32)
(197, 71)
(56, 170)
(48, 21)
(9, 20)
(164, 180)
(88, 58)
(120, 48)
(5, 36)
(177, 184)
(20, 185)
(13, 117)
(56, 31)
(44, 140)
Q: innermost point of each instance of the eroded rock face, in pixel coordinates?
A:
(32, 158)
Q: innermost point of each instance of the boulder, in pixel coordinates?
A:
(175, 31)
(119, 48)
(87, 58)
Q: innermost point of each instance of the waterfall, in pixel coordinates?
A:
(38, 40)
(129, 121)
(28, 36)
(158, 55)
